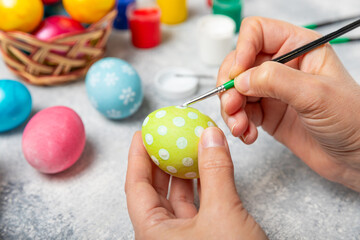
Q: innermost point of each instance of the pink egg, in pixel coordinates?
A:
(57, 25)
(49, 2)
(54, 139)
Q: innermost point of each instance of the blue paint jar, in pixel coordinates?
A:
(121, 21)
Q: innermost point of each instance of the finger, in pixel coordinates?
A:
(223, 74)
(255, 113)
(141, 196)
(160, 181)
(182, 198)
(231, 100)
(216, 170)
(237, 122)
(250, 135)
(257, 35)
(281, 82)
(252, 99)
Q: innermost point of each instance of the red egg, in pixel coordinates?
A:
(54, 139)
(49, 2)
(56, 25)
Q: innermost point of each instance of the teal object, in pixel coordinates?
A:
(311, 26)
(340, 40)
(230, 8)
(114, 88)
(15, 104)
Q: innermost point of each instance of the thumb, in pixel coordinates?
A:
(216, 169)
(276, 80)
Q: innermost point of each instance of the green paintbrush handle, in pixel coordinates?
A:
(229, 84)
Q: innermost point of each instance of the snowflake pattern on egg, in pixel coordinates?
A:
(94, 79)
(113, 113)
(111, 79)
(107, 64)
(128, 70)
(128, 95)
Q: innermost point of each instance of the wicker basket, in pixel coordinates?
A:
(66, 58)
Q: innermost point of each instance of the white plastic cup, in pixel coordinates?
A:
(215, 38)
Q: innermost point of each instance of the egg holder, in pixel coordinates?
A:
(66, 58)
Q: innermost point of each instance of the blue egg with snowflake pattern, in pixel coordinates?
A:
(114, 88)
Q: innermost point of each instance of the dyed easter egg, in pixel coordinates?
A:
(15, 104)
(171, 136)
(54, 139)
(114, 88)
(88, 11)
(49, 2)
(57, 25)
(20, 15)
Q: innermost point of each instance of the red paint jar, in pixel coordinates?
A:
(144, 24)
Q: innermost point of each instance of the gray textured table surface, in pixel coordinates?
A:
(88, 201)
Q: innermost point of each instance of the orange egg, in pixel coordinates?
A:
(88, 11)
(20, 15)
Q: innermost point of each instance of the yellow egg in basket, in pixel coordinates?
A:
(88, 11)
(20, 15)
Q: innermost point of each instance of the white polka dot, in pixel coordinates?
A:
(146, 121)
(191, 175)
(149, 139)
(181, 143)
(188, 162)
(155, 160)
(210, 124)
(192, 115)
(179, 121)
(160, 114)
(164, 154)
(162, 130)
(171, 169)
(198, 131)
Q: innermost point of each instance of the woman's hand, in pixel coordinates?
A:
(311, 104)
(221, 214)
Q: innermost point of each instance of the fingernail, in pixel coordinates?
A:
(245, 136)
(231, 123)
(212, 137)
(242, 82)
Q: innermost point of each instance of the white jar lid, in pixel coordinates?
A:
(176, 83)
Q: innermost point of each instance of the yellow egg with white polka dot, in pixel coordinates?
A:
(171, 136)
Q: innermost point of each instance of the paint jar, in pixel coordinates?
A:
(230, 8)
(121, 21)
(215, 38)
(144, 24)
(173, 11)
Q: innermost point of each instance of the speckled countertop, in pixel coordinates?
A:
(88, 201)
